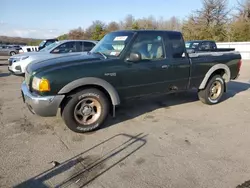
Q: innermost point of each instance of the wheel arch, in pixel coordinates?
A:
(93, 82)
(220, 69)
(11, 52)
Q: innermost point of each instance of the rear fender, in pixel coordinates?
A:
(226, 76)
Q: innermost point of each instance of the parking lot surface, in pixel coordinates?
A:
(168, 141)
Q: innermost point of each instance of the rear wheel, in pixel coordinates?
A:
(86, 110)
(12, 53)
(213, 92)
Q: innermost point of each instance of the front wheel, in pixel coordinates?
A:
(213, 92)
(86, 110)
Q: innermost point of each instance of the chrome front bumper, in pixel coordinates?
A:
(40, 105)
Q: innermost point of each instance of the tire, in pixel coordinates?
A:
(80, 107)
(212, 96)
(12, 53)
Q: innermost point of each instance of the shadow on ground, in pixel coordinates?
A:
(137, 108)
(4, 74)
(3, 64)
(90, 164)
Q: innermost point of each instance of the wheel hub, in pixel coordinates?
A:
(87, 110)
(215, 90)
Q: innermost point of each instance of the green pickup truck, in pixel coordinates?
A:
(124, 65)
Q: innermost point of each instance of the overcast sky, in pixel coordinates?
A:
(50, 18)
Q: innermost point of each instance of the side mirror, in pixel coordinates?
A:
(134, 57)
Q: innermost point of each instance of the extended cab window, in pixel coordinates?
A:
(150, 46)
(66, 47)
(178, 45)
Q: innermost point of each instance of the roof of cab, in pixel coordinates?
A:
(147, 31)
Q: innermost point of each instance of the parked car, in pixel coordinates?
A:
(6, 50)
(87, 87)
(195, 46)
(46, 42)
(17, 47)
(18, 63)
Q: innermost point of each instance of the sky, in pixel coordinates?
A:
(51, 18)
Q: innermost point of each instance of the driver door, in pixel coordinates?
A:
(150, 74)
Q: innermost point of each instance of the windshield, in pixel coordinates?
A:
(42, 43)
(113, 44)
(192, 45)
(49, 47)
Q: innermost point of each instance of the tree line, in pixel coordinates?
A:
(214, 21)
(19, 40)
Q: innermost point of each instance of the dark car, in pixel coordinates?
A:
(45, 43)
(204, 46)
(124, 65)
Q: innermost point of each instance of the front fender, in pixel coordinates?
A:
(92, 81)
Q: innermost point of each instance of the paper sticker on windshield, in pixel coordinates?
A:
(114, 53)
(121, 38)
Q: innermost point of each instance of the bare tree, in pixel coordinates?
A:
(243, 10)
(113, 26)
(210, 22)
(128, 22)
(77, 34)
(240, 26)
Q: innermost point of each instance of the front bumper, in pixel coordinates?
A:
(15, 72)
(42, 106)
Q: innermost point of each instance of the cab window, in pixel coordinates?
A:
(178, 45)
(149, 46)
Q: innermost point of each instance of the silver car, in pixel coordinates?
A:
(8, 50)
(18, 63)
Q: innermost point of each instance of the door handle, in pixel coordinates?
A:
(164, 66)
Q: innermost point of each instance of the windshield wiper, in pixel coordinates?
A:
(105, 57)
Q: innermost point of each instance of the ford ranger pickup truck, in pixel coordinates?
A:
(85, 88)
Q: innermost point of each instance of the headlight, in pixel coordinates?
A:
(40, 84)
(16, 59)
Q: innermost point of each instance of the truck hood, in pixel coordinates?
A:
(62, 61)
(40, 54)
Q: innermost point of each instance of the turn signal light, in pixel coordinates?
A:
(44, 85)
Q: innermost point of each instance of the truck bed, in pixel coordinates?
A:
(202, 62)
